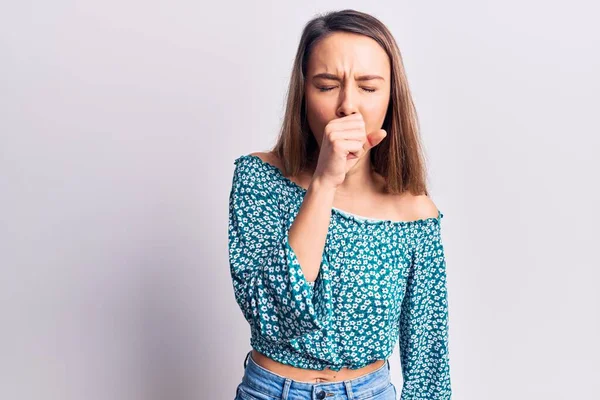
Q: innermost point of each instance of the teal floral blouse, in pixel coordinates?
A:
(381, 282)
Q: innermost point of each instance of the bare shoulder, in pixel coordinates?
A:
(409, 207)
(268, 157)
(423, 207)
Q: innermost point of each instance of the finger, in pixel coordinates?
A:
(341, 125)
(342, 128)
(373, 139)
(355, 147)
(349, 134)
(351, 117)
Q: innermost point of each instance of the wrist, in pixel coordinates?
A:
(319, 184)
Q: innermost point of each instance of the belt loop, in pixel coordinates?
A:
(246, 359)
(286, 389)
(349, 393)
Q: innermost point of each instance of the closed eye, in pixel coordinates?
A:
(327, 89)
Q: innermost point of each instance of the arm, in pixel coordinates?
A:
(424, 320)
(309, 231)
(270, 286)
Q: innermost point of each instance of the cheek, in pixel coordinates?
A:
(322, 115)
(374, 112)
(375, 108)
(320, 110)
(319, 114)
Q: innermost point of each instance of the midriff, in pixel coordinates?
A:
(312, 375)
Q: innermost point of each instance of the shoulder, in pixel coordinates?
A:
(253, 163)
(269, 158)
(258, 170)
(422, 207)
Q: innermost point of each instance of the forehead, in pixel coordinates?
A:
(343, 52)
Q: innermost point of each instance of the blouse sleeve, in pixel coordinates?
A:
(269, 284)
(424, 320)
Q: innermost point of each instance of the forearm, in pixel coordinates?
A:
(308, 232)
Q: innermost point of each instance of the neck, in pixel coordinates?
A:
(359, 179)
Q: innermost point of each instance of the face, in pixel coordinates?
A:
(334, 88)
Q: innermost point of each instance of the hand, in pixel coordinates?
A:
(345, 141)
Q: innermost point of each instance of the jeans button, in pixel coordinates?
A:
(321, 395)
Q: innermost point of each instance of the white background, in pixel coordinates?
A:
(119, 124)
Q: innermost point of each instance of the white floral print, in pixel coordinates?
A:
(381, 282)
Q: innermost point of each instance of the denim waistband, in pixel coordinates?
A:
(278, 386)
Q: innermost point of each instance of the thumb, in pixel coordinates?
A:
(375, 138)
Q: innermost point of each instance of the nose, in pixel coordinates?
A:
(347, 104)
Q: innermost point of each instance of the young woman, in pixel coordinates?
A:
(334, 244)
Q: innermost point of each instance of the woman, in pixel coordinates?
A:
(334, 245)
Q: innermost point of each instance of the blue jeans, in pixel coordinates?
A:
(259, 383)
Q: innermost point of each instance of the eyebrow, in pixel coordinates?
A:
(332, 77)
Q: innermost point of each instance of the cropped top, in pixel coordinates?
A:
(380, 282)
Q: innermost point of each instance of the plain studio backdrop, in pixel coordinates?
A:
(119, 124)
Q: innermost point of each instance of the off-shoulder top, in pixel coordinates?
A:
(380, 282)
